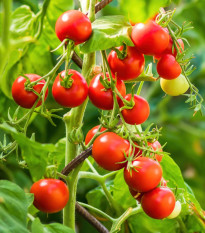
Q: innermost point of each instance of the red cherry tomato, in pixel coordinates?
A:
(147, 176)
(158, 203)
(26, 99)
(156, 146)
(150, 38)
(50, 195)
(163, 182)
(73, 96)
(169, 49)
(73, 25)
(168, 67)
(136, 194)
(108, 151)
(139, 113)
(92, 132)
(101, 97)
(130, 67)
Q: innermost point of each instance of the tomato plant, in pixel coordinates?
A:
(50, 195)
(126, 164)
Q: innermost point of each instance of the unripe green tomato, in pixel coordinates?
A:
(176, 211)
(174, 87)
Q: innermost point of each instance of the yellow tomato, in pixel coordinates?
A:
(174, 87)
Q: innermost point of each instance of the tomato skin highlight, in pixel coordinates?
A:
(168, 68)
(108, 151)
(26, 99)
(91, 133)
(73, 96)
(50, 195)
(73, 25)
(102, 98)
(158, 203)
(147, 177)
(139, 113)
(130, 67)
(150, 38)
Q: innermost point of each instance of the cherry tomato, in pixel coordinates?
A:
(108, 151)
(158, 203)
(139, 113)
(74, 25)
(176, 211)
(169, 49)
(163, 182)
(130, 67)
(175, 87)
(103, 98)
(150, 38)
(168, 67)
(145, 176)
(26, 99)
(136, 194)
(92, 132)
(50, 195)
(73, 96)
(156, 146)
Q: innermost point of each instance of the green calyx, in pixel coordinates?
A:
(66, 81)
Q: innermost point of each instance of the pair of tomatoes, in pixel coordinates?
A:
(71, 96)
(50, 195)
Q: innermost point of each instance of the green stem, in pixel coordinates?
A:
(97, 211)
(140, 88)
(73, 119)
(182, 225)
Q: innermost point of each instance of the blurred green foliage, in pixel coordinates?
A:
(183, 133)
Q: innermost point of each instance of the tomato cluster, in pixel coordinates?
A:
(143, 176)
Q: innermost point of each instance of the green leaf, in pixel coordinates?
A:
(38, 227)
(141, 10)
(35, 154)
(13, 208)
(108, 32)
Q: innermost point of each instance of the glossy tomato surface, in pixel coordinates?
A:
(130, 67)
(91, 133)
(103, 98)
(108, 151)
(158, 203)
(139, 113)
(73, 96)
(147, 175)
(168, 67)
(170, 49)
(50, 195)
(26, 99)
(150, 38)
(156, 146)
(74, 25)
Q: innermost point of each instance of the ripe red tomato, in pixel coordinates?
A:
(158, 203)
(50, 195)
(136, 194)
(150, 38)
(108, 151)
(26, 99)
(169, 49)
(147, 176)
(92, 132)
(168, 67)
(74, 25)
(139, 113)
(101, 97)
(73, 96)
(130, 67)
(156, 146)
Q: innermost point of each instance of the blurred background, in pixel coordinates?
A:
(183, 133)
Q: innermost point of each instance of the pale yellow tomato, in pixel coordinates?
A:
(176, 211)
(174, 87)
